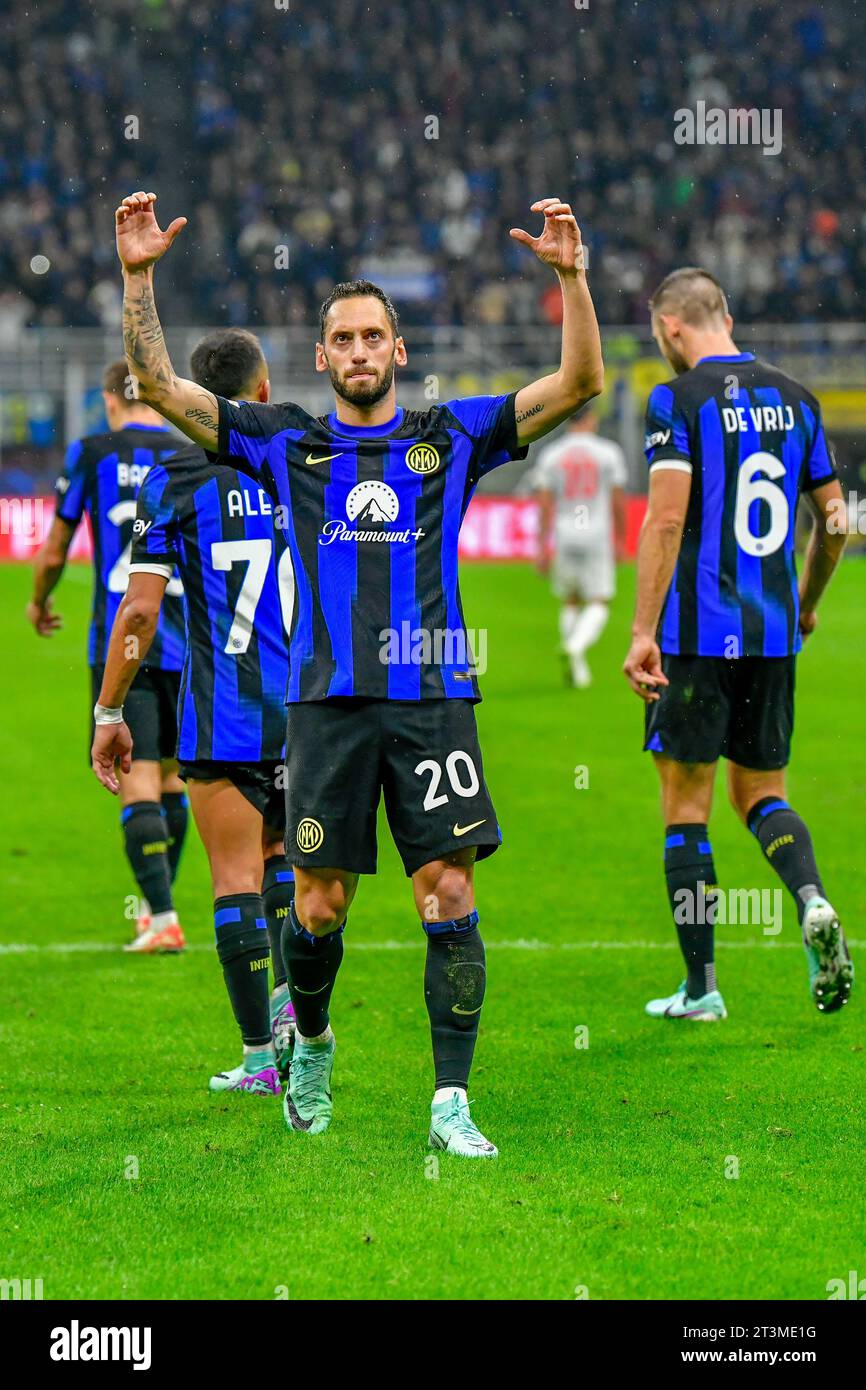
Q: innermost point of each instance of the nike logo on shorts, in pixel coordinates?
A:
(459, 830)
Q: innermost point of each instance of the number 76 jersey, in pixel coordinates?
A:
(217, 526)
(101, 476)
(753, 441)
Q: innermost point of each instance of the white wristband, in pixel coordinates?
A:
(102, 714)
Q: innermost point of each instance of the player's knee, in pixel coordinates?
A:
(447, 893)
(321, 910)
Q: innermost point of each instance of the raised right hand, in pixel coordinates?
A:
(140, 241)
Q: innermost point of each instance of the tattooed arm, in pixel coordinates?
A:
(551, 399)
(140, 243)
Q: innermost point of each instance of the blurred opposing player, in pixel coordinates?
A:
(581, 481)
(102, 476)
(732, 444)
(373, 497)
(217, 527)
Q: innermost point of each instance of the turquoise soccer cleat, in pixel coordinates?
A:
(831, 972)
(307, 1104)
(264, 1081)
(283, 1034)
(453, 1131)
(710, 1008)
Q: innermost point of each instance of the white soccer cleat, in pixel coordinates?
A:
(581, 676)
(710, 1008)
(452, 1129)
(831, 974)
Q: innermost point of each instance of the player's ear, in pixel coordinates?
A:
(321, 360)
(264, 394)
(729, 323)
(401, 357)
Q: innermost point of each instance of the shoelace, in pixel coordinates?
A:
(463, 1121)
(306, 1076)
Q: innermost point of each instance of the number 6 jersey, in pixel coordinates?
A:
(102, 475)
(753, 441)
(217, 526)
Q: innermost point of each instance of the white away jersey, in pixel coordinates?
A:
(581, 470)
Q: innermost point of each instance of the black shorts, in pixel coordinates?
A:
(263, 785)
(343, 753)
(150, 711)
(719, 708)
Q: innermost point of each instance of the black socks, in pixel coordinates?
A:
(242, 946)
(454, 981)
(278, 891)
(691, 882)
(787, 847)
(312, 963)
(176, 809)
(146, 839)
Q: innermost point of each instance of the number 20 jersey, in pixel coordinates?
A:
(753, 441)
(102, 474)
(217, 527)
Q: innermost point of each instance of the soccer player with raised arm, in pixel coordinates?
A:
(732, 445)
(381, 681)
(216, 526)
(102, 475)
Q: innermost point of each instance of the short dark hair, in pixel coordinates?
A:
(227, 361)
(692, 293)
(117, 380)
(356, 289)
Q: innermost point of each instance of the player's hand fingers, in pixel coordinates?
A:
(643, 690)
(542, 203)
(518, 234)
(126, 761)
(177, 226)
(104, 773)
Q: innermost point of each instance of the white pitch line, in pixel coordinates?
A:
(68, 948)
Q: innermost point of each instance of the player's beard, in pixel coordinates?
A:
(363, 393)
(672, 356)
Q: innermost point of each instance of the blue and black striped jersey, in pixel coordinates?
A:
(753, 441)
(372, 516)
(217, 527)
(102, 475)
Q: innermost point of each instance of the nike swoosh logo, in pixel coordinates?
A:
(297, 1121)
(456, 1009)
(311, 459)
(464, 829)
(311, 991)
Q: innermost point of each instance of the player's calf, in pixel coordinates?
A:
(242, 947)
(454, 986)
(787, 846)
(145, 835)
(278, 891)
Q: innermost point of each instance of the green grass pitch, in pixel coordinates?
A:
(124, 1178)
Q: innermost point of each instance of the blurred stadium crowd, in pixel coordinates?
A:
(308, 128)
